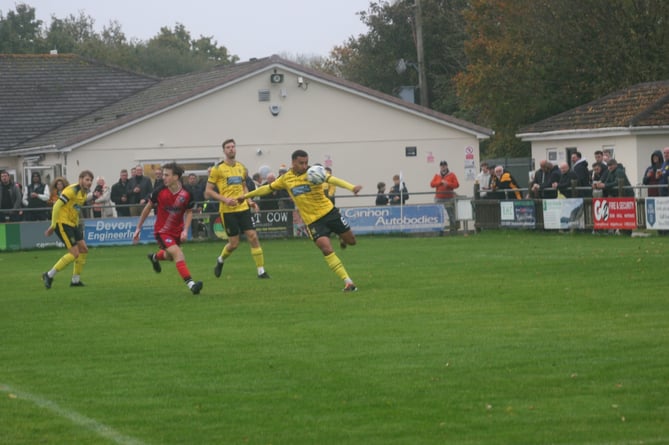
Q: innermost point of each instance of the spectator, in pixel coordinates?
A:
(196, 190)
(158, 175)
(285, 200)
(198, 226)
(565, 186)
(652, 177)
(140, 191)
(57, 187)
(612, 186)
(664, 191)
(544, 179)
(445, 182)
(596, 175)
(329, 189)
(35, 199)
(10, 201)
(270, 201)
(120, 193)
(100, 200)
(483, 179)
(599, 159)
(580, 166)
(504, 185)
(381, 197)
(257, 180)
(210, 208)
(399, 193)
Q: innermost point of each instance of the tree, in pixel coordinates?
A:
(531, 59)
(371, 59)
(20, 32)
(69, 34)
(174, 52)
(170, 52)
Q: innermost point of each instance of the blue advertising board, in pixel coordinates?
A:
(117, 231)
(394, 219)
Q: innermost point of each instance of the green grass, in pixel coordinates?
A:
(497, 338)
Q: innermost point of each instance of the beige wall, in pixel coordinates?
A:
(363, 140)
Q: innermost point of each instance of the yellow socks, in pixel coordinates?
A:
(64, 261)
(335, 264)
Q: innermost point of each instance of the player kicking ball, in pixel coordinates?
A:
(174, 214)
(305, 186)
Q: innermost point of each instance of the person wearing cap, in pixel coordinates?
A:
(445, 182)
(616, 174)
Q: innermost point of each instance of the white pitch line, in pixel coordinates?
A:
(76, 418)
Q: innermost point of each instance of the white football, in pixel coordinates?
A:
(316, 174)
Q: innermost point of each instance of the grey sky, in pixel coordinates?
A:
(247, 28)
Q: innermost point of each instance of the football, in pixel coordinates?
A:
(316, 174)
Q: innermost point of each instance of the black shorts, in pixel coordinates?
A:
(331, 222)
(237, 222)
(69, 235)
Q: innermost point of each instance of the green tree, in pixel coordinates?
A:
(170, 52)
(372, 58)
(531, 59)
(174, 52)
(20, 32)
(69, 34)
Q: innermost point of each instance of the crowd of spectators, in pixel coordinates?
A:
(603, 178)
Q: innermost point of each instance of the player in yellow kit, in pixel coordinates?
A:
(316, 210)
(65, 223)
(226, 182)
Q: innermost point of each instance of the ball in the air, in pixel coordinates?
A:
(316, 174)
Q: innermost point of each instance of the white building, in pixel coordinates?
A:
(66, 114)
(631, 123)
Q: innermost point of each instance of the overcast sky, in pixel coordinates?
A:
(247, 28)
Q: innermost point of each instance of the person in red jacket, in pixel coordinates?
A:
(445, 182)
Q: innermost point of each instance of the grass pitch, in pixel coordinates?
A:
(497, 338)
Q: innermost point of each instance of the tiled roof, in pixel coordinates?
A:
(39, 93)
(641, 105)
(156, 95)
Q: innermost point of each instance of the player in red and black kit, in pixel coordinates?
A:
(174, 215)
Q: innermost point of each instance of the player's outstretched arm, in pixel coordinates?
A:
(145, 213)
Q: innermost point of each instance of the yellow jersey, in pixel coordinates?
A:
(72, 198)
(230, 181)
(309, 198)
